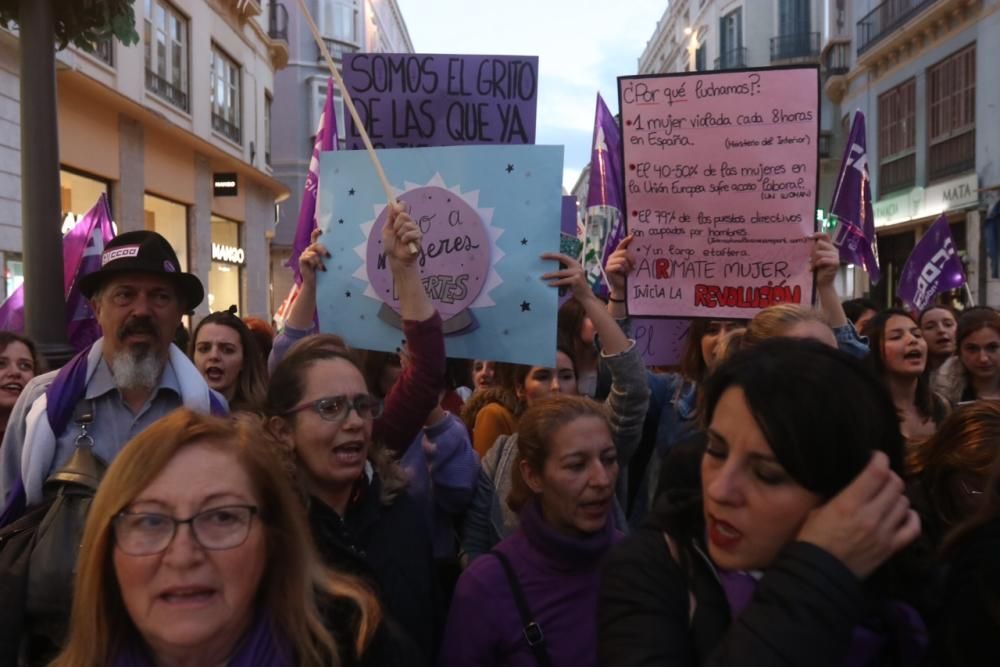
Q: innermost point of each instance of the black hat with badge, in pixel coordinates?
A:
(144, 252)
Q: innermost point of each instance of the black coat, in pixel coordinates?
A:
(390, 548)
(803, 612)
(967, 628)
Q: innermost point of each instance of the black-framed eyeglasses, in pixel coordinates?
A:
(336, 408)
(216, 529)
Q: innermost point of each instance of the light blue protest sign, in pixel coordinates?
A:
(487, 213)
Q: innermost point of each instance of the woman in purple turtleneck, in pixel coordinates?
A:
(564, 491)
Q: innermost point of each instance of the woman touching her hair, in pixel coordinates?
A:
(778, 558)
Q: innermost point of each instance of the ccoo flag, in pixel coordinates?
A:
(604, 227)
(82, 248)
(326, 140)
(852, 205)
(933, 267)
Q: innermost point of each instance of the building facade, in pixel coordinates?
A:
(347, 26)
(921, 71)
(157, 126)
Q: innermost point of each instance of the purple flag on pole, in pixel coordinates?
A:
(326, 140)
(933, 267)
(604, 228)
(82, 248)
(852, 205)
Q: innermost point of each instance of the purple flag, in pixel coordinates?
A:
(82, 248)
(852, 205)
(326, 140)
(604, 228)
(933, 267)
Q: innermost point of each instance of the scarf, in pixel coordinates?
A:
(51, 412)
(262, 645)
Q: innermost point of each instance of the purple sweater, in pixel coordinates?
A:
(559, 576)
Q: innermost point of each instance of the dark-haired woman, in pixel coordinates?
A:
(564, 486)
(975, 372)
(225, 352)
(19, 363)
(490, 518)
(899, 356)
(776, 559)
(319, 405)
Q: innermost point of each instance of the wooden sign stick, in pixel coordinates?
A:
(349, 103)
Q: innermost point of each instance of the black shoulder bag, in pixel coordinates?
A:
(532, 631)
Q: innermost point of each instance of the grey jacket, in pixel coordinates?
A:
(489, 519)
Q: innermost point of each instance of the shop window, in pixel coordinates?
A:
(170, 220)
(225, 80)
(165, 39)
(225, 275)
(897, 138)
(78, 193)
(951, 115)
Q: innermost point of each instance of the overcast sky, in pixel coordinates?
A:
(582, 46)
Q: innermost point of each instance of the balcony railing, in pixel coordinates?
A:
(277, 21)
(163, 88)
(231, 130)
(732, 59)
(799, 46)
(885, 18)
(336, 48)
(952, 156)
(898, 174)
(825, 145)
(838, 59)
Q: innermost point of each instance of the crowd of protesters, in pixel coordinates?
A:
(812, 486)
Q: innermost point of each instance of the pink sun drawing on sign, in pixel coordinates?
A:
(457, 257)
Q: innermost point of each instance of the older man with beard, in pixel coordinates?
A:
(128, 379)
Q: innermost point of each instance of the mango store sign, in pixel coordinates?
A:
(228, 254)
(920, 202)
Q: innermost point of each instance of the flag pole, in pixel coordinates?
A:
(349, 103)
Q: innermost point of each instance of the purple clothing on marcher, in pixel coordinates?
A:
(559, 575)
(442, 478)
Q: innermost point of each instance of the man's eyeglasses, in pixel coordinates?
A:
(336, 408)
(217, 529)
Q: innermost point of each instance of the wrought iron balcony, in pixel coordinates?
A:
(277, 21)
(885, 18)
(104, 50)
(337, 48)
(732, 59)
(231, 130)
(799, 46)
(163, 88)
(838, 59)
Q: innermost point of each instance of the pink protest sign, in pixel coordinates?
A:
(721, 176)
(454, 257)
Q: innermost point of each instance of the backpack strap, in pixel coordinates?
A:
(532, 631)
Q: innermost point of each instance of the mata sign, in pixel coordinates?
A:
(486, 212)
(407, 99)
(720, 181)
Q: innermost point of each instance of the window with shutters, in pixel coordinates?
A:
(897, 138)
(951, 115)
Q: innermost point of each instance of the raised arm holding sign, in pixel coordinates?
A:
(721, 177)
